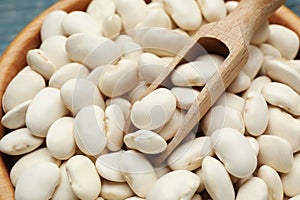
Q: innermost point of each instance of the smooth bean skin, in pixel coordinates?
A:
(64, 189)
(108, 168)
(161, 102)
(138, 172)
(284, 125)
(15, 118)
(38, 182)
(256, 114)
(39, 61)
(19, 142)
(60, 138)
(17, 91)
(186, 14)
(291, 180)
(145, 141)
(46, 101)
(273, 182)
(275, 152)
(30, 160)
(52, 24)
(287, 45)
(84, 179)
(254, 188)
(55, 48)
(78, 93)
(222, 117)
(235, 151)
(189, 155)
(179, 184)
(90, 130)
(68, 72)
(212, 169)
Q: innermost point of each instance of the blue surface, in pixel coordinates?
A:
(15, 14)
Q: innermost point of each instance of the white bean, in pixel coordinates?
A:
(196, 73)
(254, 144)
(38, 182)
(155, 17)
(39, 61)
(283, 96)
(235, 151)
(60, 138)
(84, 179)
(256, 114)
(284, 39)
(122, 103)
(100, 9)
(231, 100)
(112, 26)
(161, 41)
(52, 24)
(15, 118)
(150, 66)
(189, 155)
(254, 63)
(45, 108)
(21, 88)
(30, 160)
(275, 152)
(154, 110)
(240, 84)
(137, 93)
(222, 117)
(68, 72)
(170, 128)
(185, 96)
(95, 74)
(269, 50)
(145, 141)
(92, 50)
(254, 188)
(282, 72)
(213, 10)
(19, 142)
(118, 79)
(256, 85)
(291, 180)
(111, 190)
(114, 124)
(80, 22)
(231, 5)
(55, 48)
(273, 182)
(284, 125)
(130, 49)
(90, 130)
(185, 13)
(64, 190)
(108, 166)
(212, 170)
(78, 93)
(138, 172)
(136, 15)
(179, 184)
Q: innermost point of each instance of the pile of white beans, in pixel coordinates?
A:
(76, 115)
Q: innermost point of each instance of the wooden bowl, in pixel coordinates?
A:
(14, 59)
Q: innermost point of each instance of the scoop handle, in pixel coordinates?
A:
(250, 14)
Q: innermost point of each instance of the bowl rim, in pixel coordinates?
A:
(27, 40)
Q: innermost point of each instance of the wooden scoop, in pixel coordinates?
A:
(229, 38)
